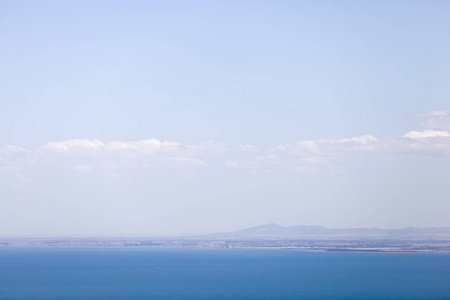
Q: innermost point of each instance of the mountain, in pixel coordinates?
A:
(275, 231)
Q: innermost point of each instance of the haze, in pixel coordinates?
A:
(192, 117)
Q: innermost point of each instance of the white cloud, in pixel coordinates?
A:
(180, 160)
(231, 163)
(84, 155)
(434, 113)
(364, 139)
(9, 149)
(73, 144)
(426, 134)
(310, 146)
(249, 147)
(83, 147)
(310, 163)
(83, 168)
(205, 149)
(269, 158)
(435, 119)
(15, 171)
(143, 146)
(314, 160)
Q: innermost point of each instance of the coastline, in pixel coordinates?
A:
(347, 246)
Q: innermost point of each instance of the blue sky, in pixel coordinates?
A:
(216, 115)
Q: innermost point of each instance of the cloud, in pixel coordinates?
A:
(307, 155)
(314, 160)
(308, 146)
(69, 145)
(231, 163)
(426, 134)
(83, 155)
(9, 149)
(311, 163)
(83, 147)
(434, 119)
(315, 147)
(435, 113)
(83, 168)
(143, 146)
(15, 170)
(269, 158)
(180, 160)
(249, 147)
(360, 140)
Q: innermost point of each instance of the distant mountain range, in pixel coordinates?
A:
(275, 231)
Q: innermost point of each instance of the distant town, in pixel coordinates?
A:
(273, 236)
(297, 244)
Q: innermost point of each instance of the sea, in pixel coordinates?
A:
(196, 273)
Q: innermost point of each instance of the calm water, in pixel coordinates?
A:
(145, 273)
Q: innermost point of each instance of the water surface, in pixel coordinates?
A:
(161, 273)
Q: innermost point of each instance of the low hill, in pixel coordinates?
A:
(275, 231)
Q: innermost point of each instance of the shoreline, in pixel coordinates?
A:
(211, 247)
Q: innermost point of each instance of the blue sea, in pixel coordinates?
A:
(171, 273)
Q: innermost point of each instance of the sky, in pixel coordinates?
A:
(188, 117)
